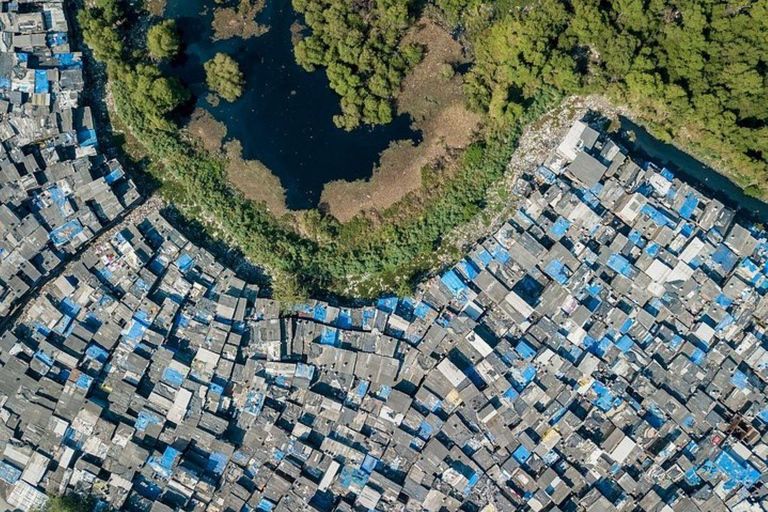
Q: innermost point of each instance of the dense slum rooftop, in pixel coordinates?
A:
(603, 350)
(56, 190)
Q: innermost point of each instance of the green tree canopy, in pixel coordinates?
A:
(359, 45)
(223, 75)
(163, 40)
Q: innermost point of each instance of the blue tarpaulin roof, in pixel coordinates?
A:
(66, 233)
(689, 206)
(87, 138)
(41, 81)
(8, 473)
(557, 270)
(451, 280)
(620, 264)
(521, 454)
(329, 336)
(560, 227)
(387, 304)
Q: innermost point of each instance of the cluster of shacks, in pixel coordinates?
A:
(603, 350)
(56, 190)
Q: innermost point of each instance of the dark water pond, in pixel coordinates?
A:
(284, 119)
(693, 172)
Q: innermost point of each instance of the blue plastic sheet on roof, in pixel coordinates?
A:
(185, 262)
(56, 38)
(84, 382)
(687, 229)
(216, 463)
(675, 342)
(23, 57)
(41, 81)
(723, 301)
(351, 475)
(384, 391)
(725, 323)
(452, 281)
(688, 206)
(560, 227)
(524, 377)
(636, 238)
(620, 264)
(691, 477)
(626, 326)
(468, 268)
(500, 254)
(97, 353)
(739, 379)
(306, 371)
(5, 82)
(45, 358)
(511, 394)
(545, 174)
(114, 176)
(66, 233)
(68, 307)
(173, 377)
(344, 320)
(724, 257)
(588, 197)
(698, 356)
(8, 473)
(422, 310)
(557, 270)
(87, 138)
(145, 419)
(265, 505)
(329, 336)
(657, 216)
(425, 430)
(135, 331)
(624, 343)
(521, 454)
(605, 400)
(485, 257)
(739, 471)
(652, 249)
(667, 174)
(387, 304)
(254, 402)
(525, 350)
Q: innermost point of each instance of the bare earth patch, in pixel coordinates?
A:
(250, 177)
(432, 94)
(156, 7)
(207, 130)
(239, 21)
(254, 179)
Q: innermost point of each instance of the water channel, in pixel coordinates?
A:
(693, 172)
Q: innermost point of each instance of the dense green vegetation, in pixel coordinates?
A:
(69, 503)
(163, 40)
(359, 45)
(223, 76)
(695, 72)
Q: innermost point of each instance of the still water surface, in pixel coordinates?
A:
(693, 172)
(285, 117)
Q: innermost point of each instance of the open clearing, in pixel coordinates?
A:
(251, 177)
(432, 94)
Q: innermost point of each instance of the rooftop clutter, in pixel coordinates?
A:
(603, 350)
(56, 189)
